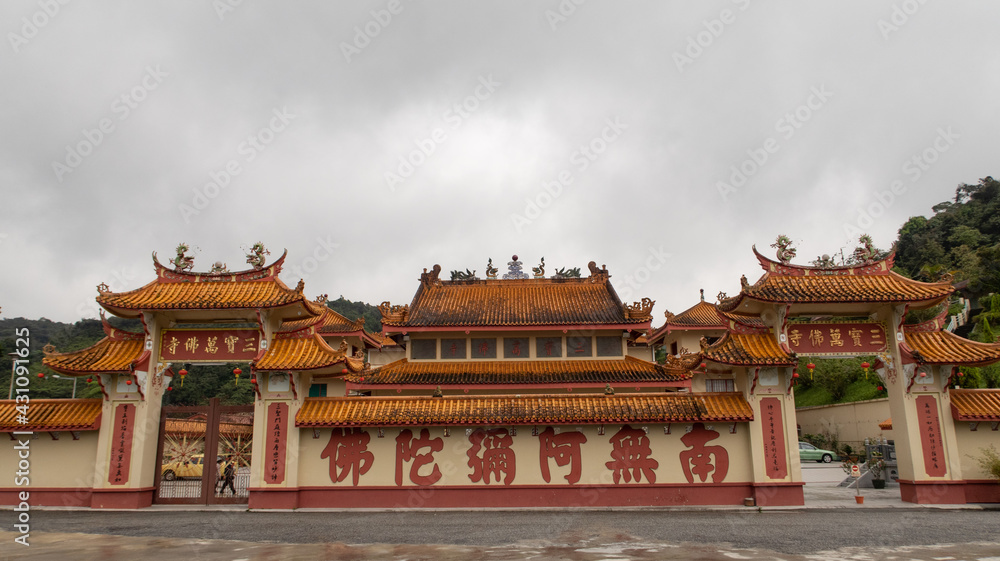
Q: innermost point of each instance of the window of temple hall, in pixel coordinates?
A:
(609, 346)
(673, 348)
(317, 390)
(423, 348)
(579, 346)
(516, 347)
(484, 348)
(548, 347)
(454, 348)
(720, 386)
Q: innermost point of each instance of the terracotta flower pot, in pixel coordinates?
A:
(860, 499)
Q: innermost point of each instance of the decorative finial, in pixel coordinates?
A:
(256, 256)
(322, 299)
(785, 250)
(565, 273)
(539, 271)
(438, 392)
(103, 288)
(219, 268)
(824, 262)
(744, 284)
(491, 271)
(702, 291)
(514, 270)
(608, 390)
(866, 253)
(463, 275)
(182, 262)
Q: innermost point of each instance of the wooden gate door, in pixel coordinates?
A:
(195, 443)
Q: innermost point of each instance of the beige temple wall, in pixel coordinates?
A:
(850, 422)
(641, 352)
(63, 463)
(689, 339)
(970, 445)
(381, 357)
(452, 460)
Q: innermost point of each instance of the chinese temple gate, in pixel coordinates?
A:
(509, 390)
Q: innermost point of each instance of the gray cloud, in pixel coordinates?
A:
(322, 176)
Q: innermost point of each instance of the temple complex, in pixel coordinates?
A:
(515, 389)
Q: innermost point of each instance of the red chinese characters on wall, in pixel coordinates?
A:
(775, 463)
(348, 452)
(821, 339)
(121, 444)
(630, 451)
(408, 450)
(491, 455)
(209, 345)
(702, 460)
(276, 438)
(564, 449)
(930, 436)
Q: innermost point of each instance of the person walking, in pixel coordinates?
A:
(229, 477)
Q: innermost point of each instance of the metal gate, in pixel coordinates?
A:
(196, 442)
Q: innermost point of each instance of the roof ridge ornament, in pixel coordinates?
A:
(598, 275)
(219, 268)
(182, 262)
(256, 256)
(641, 310)
(539, 271)
(565, 273)
(491, 271)
(514, 269)
(394, 314)
(785, 250)
(433, 277)
(463, 275)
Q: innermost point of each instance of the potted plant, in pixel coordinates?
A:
(876, 466)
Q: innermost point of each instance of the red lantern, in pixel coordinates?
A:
(343, 371)
(253, 380)
(703, 365)
(40, 375)
(170, 388)
(923, 374)
(183, 373)
(128, 382)
(811, 368)
(865, 365)
(960, 374)
(89, 380)
(795, 375)
(880, 388)
(237, 371)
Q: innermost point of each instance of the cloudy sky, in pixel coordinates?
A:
(373, 139)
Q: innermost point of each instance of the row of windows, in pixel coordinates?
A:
(515, 347)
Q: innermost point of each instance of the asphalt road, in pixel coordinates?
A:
(790, 532)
